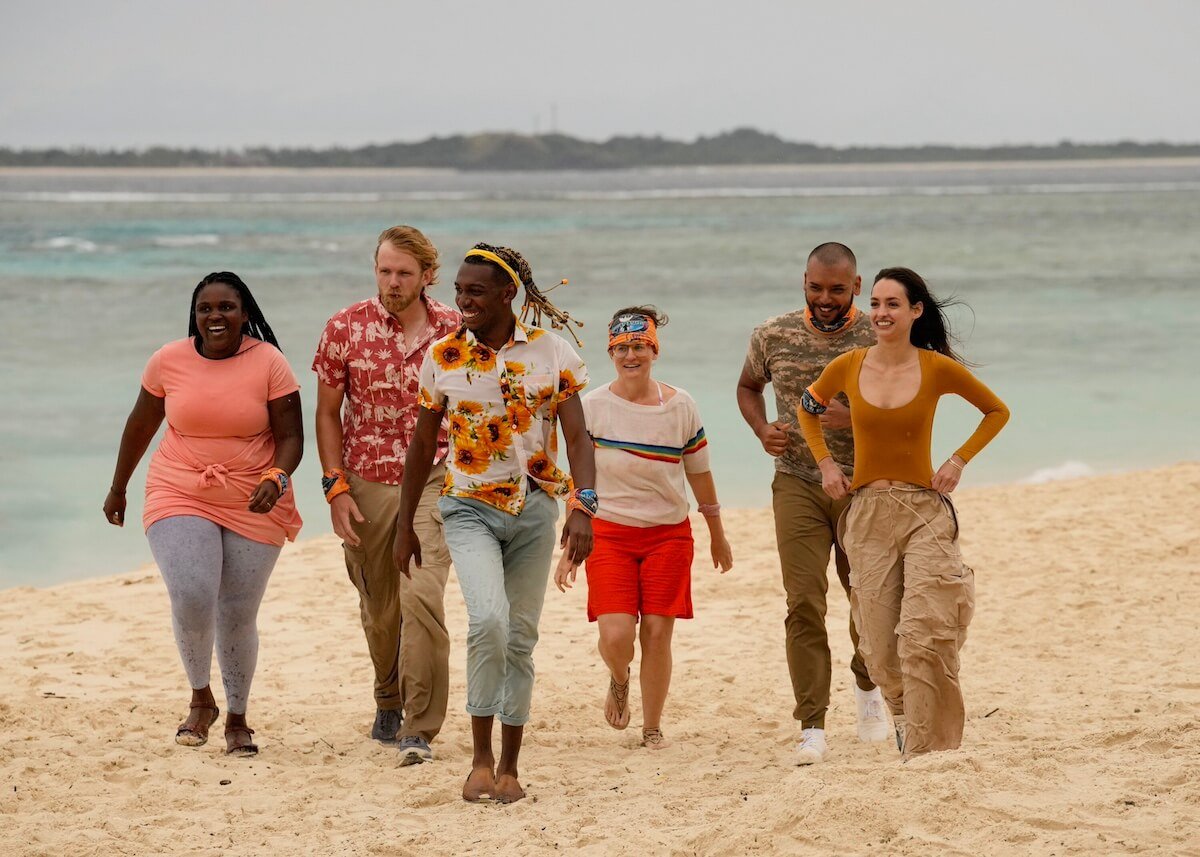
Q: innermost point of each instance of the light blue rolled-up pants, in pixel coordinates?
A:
(503, 565)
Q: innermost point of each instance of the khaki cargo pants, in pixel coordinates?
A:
(912, 599)
(404, 619)
(805, 518)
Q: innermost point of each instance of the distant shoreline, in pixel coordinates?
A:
(874, 166)
(508, 151)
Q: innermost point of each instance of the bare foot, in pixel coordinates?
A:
(480, 785)
(653, 739)
(616, 703)
(508, 790)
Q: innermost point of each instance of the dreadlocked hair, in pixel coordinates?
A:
(256, 324)
(536, 304)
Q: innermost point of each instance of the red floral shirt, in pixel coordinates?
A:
(363, 351)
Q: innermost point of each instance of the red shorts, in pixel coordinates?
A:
(640, 570)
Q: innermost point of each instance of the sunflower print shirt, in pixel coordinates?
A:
(501, 408)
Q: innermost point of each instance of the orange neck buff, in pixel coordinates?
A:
(836, 326)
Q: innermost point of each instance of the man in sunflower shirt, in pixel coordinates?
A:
(502, 386)
(367, 364)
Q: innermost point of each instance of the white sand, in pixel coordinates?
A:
(1081, 675)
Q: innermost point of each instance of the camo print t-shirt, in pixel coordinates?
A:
(789, 353)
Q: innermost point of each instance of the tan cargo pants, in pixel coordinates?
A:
(912, 599)
(404, 619)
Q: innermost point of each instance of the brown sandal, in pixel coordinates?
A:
(197, 736)
(235, 745)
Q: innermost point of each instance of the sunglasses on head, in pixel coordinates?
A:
(629, 323)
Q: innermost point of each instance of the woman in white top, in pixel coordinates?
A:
(649, 440)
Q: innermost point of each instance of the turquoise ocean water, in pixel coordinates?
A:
(1081, 279)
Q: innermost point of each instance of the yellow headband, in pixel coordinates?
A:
(492, 257)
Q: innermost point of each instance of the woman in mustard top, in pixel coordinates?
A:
(912, 596)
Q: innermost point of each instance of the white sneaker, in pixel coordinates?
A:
(872, 715)
(901, 726)
(812, 748)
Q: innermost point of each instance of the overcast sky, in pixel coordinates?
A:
(221, 73)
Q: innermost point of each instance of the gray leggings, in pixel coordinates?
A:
(216, 580)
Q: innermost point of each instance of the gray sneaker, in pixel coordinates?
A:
(387, 724)
(414, 750)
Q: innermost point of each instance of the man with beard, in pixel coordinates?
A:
(369, 361)
(789, 352)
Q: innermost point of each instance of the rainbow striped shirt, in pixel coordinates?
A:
(643, 453)
(655, 452)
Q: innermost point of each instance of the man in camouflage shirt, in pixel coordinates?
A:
(789, 352)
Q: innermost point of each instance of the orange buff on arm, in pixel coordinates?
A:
(333, 482)
(277, 475)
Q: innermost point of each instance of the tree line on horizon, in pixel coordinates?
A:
(509, 151)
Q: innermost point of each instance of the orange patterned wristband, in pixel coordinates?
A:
(333, 482)
(277, 475)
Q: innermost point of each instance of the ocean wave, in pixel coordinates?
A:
(1059, 472)
(877, 190)
(104, 196)
(68, 242)
(187, 240)
(632, 194)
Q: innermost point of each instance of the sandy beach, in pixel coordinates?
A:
(1083, 698)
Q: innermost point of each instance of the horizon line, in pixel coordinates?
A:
(1062, 143)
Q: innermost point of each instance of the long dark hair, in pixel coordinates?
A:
(931, 329)
(256, 323)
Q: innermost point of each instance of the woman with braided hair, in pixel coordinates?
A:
(502, 386)
(218, 508)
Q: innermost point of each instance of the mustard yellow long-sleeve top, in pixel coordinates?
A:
(894, 443)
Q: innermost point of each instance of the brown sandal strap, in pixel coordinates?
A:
(620, 690)
(249, 746)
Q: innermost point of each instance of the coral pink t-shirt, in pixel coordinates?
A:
(218, 440)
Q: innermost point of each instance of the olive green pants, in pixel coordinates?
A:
(912, 600)
(404, 619)
(805, 523)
